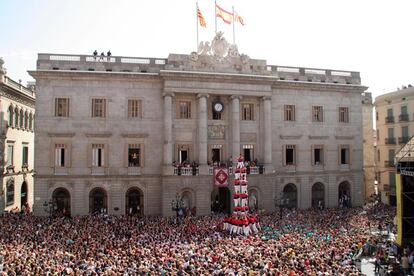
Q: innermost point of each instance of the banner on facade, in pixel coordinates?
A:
(221, 176)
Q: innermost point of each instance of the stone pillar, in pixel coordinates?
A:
(235, 122)
(202, 133)
(168, 135)
(267, 137)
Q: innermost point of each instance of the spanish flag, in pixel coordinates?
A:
(201, 19)
(223, 14)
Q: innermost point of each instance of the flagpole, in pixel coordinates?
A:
(215, 15)
(234, 29)
(197, 24)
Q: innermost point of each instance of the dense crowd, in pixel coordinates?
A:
(311, 242)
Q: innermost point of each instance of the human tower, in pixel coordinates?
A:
(241, 222)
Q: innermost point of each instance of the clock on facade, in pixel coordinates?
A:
(218, 107)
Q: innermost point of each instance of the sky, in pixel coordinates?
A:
(372, 37)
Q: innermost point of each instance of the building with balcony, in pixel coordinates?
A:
(17, 115)
(127, 134)
(394, 126)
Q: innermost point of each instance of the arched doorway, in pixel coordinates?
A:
(318, 195)
(98, 201)
(344, 194)
(23, 196)
(220, 200)
(290, 192)
(253, 200)
(61, 199)
(134, 201)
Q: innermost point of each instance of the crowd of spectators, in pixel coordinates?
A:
(310, 242)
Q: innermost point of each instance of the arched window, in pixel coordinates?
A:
(61, 199)
(31, 121)
(98, 201)
(16, 117)
(318, 195)
(290, 193)
(10, 116)
(26, 118)
(21, 117)
(134, 200)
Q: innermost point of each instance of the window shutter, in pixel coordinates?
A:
(89, 155)
(68, 156)
(52, 155)
(284, 154)
(105, 156)
(142, 155)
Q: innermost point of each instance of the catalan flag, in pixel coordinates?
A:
(201, 19)
(238, 18)
(223, 14)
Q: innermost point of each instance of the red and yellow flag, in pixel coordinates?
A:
(223, 14)
(238, 18)
(201, 19)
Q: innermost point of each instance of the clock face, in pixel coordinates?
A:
(218, 107)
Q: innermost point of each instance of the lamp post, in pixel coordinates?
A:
(48, 207)
(281, 202)
(177, 204)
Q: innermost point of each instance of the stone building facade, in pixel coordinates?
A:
(138, 133)
(368, 144)
(17, 114)
(394, 125)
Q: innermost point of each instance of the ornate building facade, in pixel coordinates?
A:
(395, 127)
(128, 134)
(17, 105)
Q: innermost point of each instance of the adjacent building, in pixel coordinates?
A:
(17, 115)
(138, 135)
(395, 126)
(368, 144)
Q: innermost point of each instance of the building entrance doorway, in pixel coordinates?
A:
(133, 200)
(61, 198)
(220, 200)
(23, 196)
(98, 201)
(215, 155)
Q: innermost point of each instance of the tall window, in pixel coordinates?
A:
(60, 155)
(185, 110)
(98, 155)
(21, 118)
(26, 120)
(404, 132)
(317, 155)
(391, 155)
(134, 155)
(290, 155)
(317, 113)
(10, 116)
(404, 110)
(31, 121)
(378, 155)
(289, 112)
(25, 155)
(134, 108)
(99, 108)
(16, 117)
(343, 115)
(248, 112)
(62, 107)
(390, 112)
(10, 192)
(10, 155)
(344, 155)
(390, 132)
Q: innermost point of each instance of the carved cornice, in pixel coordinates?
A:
(98, 134)
(134, 135)
(22, 99)
(290, 137)
(233, 97)
(169, 94)
(318, 86)
(315, 137)
(266, 98)
(201, 95)
(61, 134)
(344, 137)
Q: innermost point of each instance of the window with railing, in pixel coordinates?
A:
(390, 116)
(317, 113)
(404, 117)
(289, 113)
(290, 155)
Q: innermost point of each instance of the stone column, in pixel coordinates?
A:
(202, 133)
(168, 135)
(267, 137)
(235, 122)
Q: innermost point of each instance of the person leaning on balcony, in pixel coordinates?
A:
(102, 56)
(109, 54)
(95, 54)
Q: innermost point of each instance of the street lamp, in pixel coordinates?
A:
(281, 202)
(48, 207)
(177, 204)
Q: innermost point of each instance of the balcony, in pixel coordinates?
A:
(390, 141)
(389, 119)
(403, 140)
(404, 118)
(186, 171)
(388, 163)
(211, 170)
